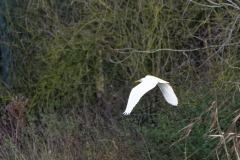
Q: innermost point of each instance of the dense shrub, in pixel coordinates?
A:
(75, 61)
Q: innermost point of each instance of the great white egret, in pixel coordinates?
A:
(148, 83)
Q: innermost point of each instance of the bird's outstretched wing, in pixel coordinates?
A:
(136, 93)
(168, 93)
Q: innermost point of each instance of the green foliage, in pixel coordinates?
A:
(75, 62)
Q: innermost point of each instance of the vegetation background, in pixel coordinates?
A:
(73, 64)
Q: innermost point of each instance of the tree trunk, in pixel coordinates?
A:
(5, 52)
(99, 79)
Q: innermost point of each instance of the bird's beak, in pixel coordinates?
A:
(137, 81)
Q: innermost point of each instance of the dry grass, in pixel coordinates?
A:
(12, 123)
(75, 61)
(228, 146)
(70, 136)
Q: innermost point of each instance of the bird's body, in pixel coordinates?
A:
(148, 83)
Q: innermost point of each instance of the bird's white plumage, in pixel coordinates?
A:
(148, 83)
(168, 93)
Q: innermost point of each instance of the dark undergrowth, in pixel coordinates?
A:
(73, 65)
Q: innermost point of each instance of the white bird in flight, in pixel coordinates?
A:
(148, 83)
